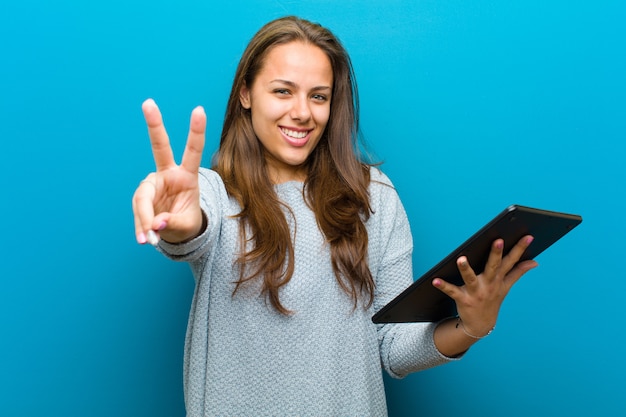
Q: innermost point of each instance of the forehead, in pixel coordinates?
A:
(298, 62)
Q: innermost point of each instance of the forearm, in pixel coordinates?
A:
(409, 347)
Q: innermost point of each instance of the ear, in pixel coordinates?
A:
(244, 97)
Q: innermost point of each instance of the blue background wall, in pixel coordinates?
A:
(472, 105)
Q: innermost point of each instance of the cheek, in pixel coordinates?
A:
(266, 110)
(271, 108)
(321, 115)
(264, 117)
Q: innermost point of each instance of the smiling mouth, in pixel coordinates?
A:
(295, 134)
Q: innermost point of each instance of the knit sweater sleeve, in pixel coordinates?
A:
(404, 347)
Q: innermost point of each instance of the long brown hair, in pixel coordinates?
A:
(336, 186)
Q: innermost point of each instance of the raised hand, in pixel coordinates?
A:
(167, 202)
(478, 301)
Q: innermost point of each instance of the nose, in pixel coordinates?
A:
(301, 109)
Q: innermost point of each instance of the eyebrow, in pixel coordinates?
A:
(294, 85)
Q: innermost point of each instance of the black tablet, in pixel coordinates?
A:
(421, 301)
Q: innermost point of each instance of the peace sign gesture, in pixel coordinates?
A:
(167, 202)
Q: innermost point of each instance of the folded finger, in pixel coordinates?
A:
(143, 208)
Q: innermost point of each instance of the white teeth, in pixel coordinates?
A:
(294, 134)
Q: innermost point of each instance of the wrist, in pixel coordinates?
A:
(477, 336)
(203, 225)
(180, 238)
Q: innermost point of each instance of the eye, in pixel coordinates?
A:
(281, 91)
(319, 97)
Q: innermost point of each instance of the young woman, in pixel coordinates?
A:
(295, 242)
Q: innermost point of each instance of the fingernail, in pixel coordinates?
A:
(499, 244)
(141, 238)
(152, 238)
(529, 239)
(162, 226)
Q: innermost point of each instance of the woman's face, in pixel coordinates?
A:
(290, 104)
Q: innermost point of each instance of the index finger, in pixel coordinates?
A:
(161, 149)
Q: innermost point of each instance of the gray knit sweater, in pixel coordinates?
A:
(242, 358)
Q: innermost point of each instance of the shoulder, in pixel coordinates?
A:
(385, 200)
(380, 187)
(376, 175)
(209, 178)
(209, 175)
(211, 185)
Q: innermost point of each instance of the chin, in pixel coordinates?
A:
(296, 161)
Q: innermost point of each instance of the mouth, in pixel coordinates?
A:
(295, 137)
